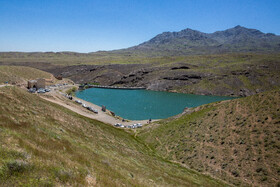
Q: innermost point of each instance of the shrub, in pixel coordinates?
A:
(71, 91)
(62, 175)
(14, 167)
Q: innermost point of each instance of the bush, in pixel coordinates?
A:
(62, 175)
(71, 91)
(14, 167)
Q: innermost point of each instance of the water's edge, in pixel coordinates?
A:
(145, 104)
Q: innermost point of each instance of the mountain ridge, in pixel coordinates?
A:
(189, 42)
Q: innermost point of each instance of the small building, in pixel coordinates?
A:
(38, 83)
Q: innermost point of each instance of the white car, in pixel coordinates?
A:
(84, 105)
(78, 101)
(118, 125)
(139, 125)
(41, 90)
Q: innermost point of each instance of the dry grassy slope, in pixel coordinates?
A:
(43, 144)
(237, 141)
(19, 74)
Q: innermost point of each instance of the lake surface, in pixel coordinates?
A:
(144, 104)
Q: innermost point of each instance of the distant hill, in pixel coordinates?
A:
(237, 141)
(190, 42)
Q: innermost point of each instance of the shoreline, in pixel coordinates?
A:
(113, 87)
(58, 97)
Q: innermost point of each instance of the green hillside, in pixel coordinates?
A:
(43, 144)
(237, 141)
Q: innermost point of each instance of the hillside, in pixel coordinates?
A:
(237, 141)
(190, 42)
(20, 74)
(240, 74)
(228, 74)
(43, 144)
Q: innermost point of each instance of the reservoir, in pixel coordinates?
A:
(144, 104)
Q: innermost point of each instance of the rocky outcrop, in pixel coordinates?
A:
(184, 77)
(180, 67)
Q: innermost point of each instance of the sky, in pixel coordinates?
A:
(93, 25)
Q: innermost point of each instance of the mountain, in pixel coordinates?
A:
(190, 42)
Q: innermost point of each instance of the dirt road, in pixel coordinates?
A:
(58, 98)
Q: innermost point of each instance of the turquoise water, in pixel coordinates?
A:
(144, 104)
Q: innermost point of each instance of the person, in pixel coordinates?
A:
(150, 120)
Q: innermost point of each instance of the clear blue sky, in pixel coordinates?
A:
(92, 25)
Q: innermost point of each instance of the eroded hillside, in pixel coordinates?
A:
(237, 141)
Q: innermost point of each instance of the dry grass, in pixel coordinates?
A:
(43, 144)
(19, 74)
(101, 58)
(237, 141)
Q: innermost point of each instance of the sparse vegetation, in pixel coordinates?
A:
(43, 144)
(226, 139)
(20, 74)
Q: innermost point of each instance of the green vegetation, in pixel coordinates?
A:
(71, 91)
(43, 144)
(237, 140)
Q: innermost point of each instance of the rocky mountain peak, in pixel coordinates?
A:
(189, 41)
(238, 30)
